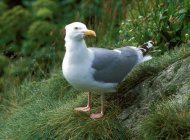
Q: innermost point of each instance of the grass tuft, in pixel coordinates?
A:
(168, 120)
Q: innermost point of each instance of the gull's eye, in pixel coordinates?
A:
(76, 28)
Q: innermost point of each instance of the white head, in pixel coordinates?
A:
(76, 31)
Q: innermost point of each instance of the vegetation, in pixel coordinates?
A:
(168, 120)
(47, 109)
(165, 22)
(35, 100)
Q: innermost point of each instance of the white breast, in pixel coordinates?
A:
(77, 70)
(82, 78)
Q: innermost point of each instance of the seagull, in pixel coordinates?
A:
(97, 69)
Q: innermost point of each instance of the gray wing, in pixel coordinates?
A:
(111, 66)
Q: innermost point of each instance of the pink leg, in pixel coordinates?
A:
(86, 108)
(99, 115)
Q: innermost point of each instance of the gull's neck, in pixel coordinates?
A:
(76, 50)
(75, 45)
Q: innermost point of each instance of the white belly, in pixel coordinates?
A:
(79, 74)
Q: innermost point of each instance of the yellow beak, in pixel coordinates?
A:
(89, 33)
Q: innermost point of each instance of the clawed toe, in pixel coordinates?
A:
(96, 116)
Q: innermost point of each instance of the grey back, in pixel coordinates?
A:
(111, 66)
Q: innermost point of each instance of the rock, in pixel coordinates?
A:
(171, 82)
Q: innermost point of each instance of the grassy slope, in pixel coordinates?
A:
(44, 109)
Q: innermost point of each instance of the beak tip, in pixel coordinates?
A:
(90, 33)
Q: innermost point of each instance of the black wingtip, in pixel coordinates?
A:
(146, 47)
(152, 42)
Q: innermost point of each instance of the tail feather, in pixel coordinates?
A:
(146, 47)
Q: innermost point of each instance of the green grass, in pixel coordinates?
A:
(168, 120)
(44, 109)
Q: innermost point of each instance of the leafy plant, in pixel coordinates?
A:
(45, 9)
(165, 22)
(3, 7)
(39, 34)
(13, 24)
